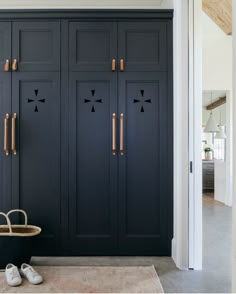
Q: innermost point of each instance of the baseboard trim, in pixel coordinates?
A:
(173, 250)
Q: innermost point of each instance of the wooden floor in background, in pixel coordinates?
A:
(208, 199)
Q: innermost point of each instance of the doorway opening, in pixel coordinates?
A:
(216, 144)
(216, 195)
(211, 114)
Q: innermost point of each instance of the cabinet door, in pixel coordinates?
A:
(36, 166)
(145, 172)
(5, 107)
(92, 45)
(92, 166)
(143, 46)
(36, 45)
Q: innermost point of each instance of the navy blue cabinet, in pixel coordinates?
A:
(86, 118)
(122, 204)
(5, 110)
(30, 88)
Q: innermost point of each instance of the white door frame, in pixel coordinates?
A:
(187, 241)
(195, 131)
(234, 157)
(229, 149)
(180, 240)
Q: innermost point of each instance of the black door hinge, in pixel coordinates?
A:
(191, 167)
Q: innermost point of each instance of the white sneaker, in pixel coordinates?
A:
(12, 275)
(30, 274)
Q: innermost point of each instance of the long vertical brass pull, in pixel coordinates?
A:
(14, 65)
(13, 134)
(7, 65)
(113, 65)
(122, 65)
(6, 133)
(114, 134)
(122, 134)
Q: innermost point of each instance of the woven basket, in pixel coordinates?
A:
(16, 240)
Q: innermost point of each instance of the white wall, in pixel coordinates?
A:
(69, 4)
(217, 57)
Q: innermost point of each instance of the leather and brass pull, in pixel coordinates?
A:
(14, 65)
(122, 134)
(114, 134)
(122, 65)
(113, 65)
(7, 65)
(13, 134)
(6, 134)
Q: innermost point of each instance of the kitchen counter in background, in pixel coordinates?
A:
(214, 178)
(208, 175)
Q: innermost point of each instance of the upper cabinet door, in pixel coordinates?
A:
(143, 46)
(36, 46)
(5, 44)
(92, 46)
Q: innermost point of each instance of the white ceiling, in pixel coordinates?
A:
(25, 4)
(206, 97)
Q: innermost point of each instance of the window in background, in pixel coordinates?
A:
(219, 146)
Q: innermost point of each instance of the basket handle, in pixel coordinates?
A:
(18, 210)
(8, 222)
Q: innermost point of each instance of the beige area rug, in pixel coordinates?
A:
(87, 279)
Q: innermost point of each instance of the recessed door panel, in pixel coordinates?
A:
(5, 44)
(143, 46)
(93, 45)
(36, 46)
(92, 166)
(36, 166)
(5, 160)
(143, 169)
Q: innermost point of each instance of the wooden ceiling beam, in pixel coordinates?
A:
(220, 11)
(217, 103)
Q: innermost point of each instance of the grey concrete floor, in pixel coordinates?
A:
(215, 276)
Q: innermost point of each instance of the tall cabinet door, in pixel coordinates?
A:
(92, 165)
(5, 109)
(36, 166)
(145, 172)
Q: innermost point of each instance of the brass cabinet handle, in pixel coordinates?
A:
(14, 65)
(122, 134)
(13, 134)
(113, 65)
(122, 65)
(6, 131)
(7, 65)
(114, 134)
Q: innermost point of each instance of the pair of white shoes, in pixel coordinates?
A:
(13, 275)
